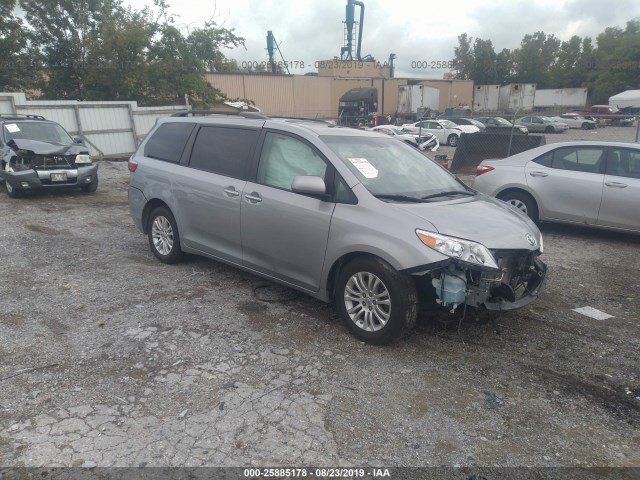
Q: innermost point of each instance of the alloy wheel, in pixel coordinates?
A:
(162, 235)
(367, 301)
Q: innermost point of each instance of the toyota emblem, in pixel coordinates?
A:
(531, 240)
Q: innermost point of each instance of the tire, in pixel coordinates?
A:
(163, 236)
(523, 202)
(586, 126)
(549, 129)
(452, 140)
(12, 191)
(615, 122)
(91, 187)
(365, 282)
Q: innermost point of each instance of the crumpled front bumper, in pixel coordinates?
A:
(531, 294)
(41, 179)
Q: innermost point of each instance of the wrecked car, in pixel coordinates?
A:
(38, 154)
(344, 215)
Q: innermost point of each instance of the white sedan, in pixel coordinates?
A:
(445, 131)
(576, 121)
(425, 142)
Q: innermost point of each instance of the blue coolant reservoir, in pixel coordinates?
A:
(450, 289)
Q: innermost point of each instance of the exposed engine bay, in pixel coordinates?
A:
(515, 283)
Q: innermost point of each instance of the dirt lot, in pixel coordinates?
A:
(111, 358)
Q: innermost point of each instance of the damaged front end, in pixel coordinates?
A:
(480, 278)
(34, 165)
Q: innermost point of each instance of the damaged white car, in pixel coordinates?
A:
(38, 154)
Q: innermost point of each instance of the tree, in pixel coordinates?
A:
(18, 59)
(463, 57)
(535, 59)
(483, 69)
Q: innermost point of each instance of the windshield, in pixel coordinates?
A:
(502, 121)
(448, 124)
(388, 167)
(41, 131)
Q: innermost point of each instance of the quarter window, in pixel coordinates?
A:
(624, 162)
(168, 141)
(223, 150)
(284, 158)
(589, 160)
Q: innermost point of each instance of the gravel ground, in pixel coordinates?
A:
(111, 358)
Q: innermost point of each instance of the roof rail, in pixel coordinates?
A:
(319, 120)
(188, 113)
(17, 116)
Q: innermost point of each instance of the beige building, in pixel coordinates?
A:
(318, 96)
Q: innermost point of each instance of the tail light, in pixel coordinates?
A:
(132, 165)
(483, 169)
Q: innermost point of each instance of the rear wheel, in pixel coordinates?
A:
(377, 303)
(164, 239)
(549, 129)
(452, 140)
(523, 202)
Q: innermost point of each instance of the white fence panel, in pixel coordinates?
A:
(109, 129)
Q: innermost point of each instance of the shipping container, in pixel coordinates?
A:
(414, 97)
(517, 97)
(485, 98)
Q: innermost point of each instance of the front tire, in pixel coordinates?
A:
(549, 129)
(523, 202)
(164, 239)
(377, 303)
(12, 191)
(452, 140)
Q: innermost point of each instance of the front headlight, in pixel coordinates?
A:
(457, 248)
(83, 159)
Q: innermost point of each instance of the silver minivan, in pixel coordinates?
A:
(341, 214)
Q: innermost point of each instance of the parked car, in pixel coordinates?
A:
(446, 132)
(585, 183)
(38, 154)
(537, 123)
(425, 142)
(500, 123)
(344, 215)
(573, 120)
(466, 121)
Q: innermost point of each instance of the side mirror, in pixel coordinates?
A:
(308, 185)
(77, 140)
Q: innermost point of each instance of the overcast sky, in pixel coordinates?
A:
(415, 30)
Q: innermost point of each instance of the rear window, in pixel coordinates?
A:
(223, 150)
(168, 141)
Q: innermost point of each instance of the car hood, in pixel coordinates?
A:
(46, 148)
(481, 219)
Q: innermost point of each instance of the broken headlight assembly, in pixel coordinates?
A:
(459, 249)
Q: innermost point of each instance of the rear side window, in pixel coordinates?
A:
(223, 150)
(624, 162)
(168, 141)
(589, 160)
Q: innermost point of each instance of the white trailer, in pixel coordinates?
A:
(485, 98)
(561, 98)
(413, 99)
(517, 97)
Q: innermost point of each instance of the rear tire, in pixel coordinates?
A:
(549, 129)
(377, 303)
(452, 140)
(164, 239)
(523, 202)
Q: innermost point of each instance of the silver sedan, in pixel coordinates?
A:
(542, 124)
(588, 183)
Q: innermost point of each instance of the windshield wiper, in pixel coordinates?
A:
(399, 198)
(449, 193)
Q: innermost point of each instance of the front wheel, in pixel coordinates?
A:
(549, 129)
(377, 303)
(11, 190)
(523, 202)
(452, 140)
(164, 239)
(586, 126)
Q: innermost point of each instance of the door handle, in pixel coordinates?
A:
(253, 197)
(538, 174)
(615, 184)
(231, 192)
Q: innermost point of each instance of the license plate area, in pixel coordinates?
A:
(58, 177)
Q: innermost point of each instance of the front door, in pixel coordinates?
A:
(284, 234)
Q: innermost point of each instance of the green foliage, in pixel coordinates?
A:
(609, 68)
(101, 50)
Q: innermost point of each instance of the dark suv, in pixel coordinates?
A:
(38, 154)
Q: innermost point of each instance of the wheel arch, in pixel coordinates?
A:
(148, 208)
(519, 189)
(338, 264)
